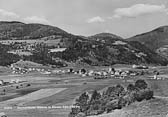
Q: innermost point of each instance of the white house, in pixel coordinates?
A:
(1, 82)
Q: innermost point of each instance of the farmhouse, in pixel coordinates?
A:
(1, 82)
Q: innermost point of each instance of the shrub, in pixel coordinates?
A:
(122, 103)
(139, 96)
(148, 94)
(131, 87)
(74, 112)
(81, 115)
(28, 85)
(112, 105)
(141, 84)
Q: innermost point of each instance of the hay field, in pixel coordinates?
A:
(42, 93)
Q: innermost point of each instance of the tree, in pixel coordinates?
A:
(83, 71)
(94, 103)
(82, 102)
(112, 105)
(115, 97)
(148, 94)
(120, 91)
(122, 102)
(113, 69)
(131, 87)
(95, 96)
(4, 91)
(141, 84)
(74, 112)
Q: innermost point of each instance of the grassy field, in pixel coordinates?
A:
(153, 108)
(43, 91)
(48, 42)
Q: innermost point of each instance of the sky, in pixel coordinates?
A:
(125, 18)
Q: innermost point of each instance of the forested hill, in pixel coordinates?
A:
(50, 45)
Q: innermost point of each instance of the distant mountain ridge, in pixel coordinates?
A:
(156, 40)
(103, 35)
(19, 30)
(153, 39)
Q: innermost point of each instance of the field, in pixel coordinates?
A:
(61, 90)
(48, 42)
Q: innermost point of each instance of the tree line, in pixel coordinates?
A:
(115, 97)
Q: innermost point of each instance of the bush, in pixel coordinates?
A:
(141, 84)
(139, 96)
(74, 112)
(148, 94)
(122, 103)
(131, 87)
(115, 91)
(28, 85)
(81, 115)
(112, 105)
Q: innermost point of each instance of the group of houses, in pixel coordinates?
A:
(119, 74)
(12, 81)
(100, 74)
(25, 70)
(97, 74)
(82, 71)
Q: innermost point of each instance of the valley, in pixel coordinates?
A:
(45, 66)
(60, 89)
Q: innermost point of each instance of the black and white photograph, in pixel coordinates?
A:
(83, 58)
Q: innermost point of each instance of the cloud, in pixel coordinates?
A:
(138, 10)
(11, 16)
(36, 19)
(95, 19)
(7, 15)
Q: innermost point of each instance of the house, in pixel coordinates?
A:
(2, 114)
(139, 67)
(1, 82)
(90, 73)
(117, 73)
(155, 77)
(15, 81)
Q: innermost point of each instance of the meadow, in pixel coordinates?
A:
(63, 89)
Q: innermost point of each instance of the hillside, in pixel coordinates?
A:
(109, 51)
(156, 40)
(153, 108)
(34, 42)
(105, 37)
(19, 30)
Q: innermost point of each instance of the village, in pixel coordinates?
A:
(109, 72)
